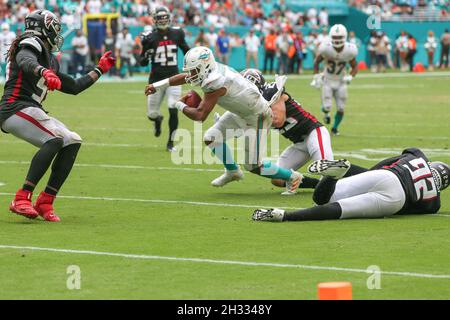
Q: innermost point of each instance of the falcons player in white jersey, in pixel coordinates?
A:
(335, 53)
(247, 113)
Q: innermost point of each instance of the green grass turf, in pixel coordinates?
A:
(382, 113)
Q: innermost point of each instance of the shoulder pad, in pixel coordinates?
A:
(32, 42)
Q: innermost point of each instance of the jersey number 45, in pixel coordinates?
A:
(166, 55)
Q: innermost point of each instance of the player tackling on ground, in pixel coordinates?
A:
(405, 184)
(160, 49)
(32, 71)
(311, 140)
(336, 54)
(247, 113)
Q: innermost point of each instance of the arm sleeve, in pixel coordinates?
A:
(74, 86)
(27, 60)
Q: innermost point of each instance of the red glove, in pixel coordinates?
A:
(106, 62)
(51, 79)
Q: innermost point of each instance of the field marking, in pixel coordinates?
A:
(2, 184)
(177, 202)
(199, 203)
(227, 262)
(116, 166)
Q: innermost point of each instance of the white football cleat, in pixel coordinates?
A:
(330, 168)
(227, 177)
(273, 215)
(293, 183)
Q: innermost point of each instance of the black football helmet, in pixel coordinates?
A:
(441, 174)
(255, 76)
(161, 17)
(45, 24)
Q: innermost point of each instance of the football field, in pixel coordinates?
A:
(138, 226)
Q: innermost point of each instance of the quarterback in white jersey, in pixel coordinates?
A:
(335, 53)
(248, 113)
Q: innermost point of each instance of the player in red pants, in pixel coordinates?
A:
(32, 71)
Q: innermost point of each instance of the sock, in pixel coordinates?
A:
(28, 187)
(338, 119)
(42, 160)
(354, 170)
(225, 155)
(273, 171)
(330, 211)
(324, 190)
(62, 165)
(51, 191)
(309, 183)
(173, 122)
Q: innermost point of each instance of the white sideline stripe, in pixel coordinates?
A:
(212, 204)
(227, 262)
(196, 203)
(116, 166)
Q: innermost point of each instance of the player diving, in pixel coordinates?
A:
(33, 71)
(160, 49)
(336, 53)
(247, 113)
(310, 139)
(404, 184)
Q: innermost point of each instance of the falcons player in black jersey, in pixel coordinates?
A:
(311, 140)
(405, 184)
(32, 71)
(160, 49)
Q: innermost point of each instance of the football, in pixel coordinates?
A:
(193, 99)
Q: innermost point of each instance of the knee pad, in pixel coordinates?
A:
(71, 138)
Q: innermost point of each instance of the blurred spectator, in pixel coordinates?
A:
(270, 50)
(445, 45)
(109, 44)
(80, 52)
(412, 49)
(223, 47)
(124, 50)
(381, 52)
(371, 50)
(323, 37)
(283, 43)
(312, 18)
(312, 42)
(323, 18)
(353, 39)
(252, 44)
(401, 45)
(93, 6)
(211, 36)
(430, 47)
(6, 38)
(298, 50)
(235, 40)
(201, 39)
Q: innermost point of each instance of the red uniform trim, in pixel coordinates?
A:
(303, 111)
(17, 87)
(319, 137)
(33, 121)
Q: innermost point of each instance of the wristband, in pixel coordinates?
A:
(161, 85)
(41, 70)
(98, 71)
(180, 105)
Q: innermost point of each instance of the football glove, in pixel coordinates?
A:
(347, 78)
(106, 62)
(51, 79)
(317, 81)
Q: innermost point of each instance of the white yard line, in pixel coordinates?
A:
(226, 262)
(127, 167)
(177, 202)
(2, 184)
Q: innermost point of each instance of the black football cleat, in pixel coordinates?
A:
(334, 132)
(170, 146)
(327, 118)
(158, 122)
